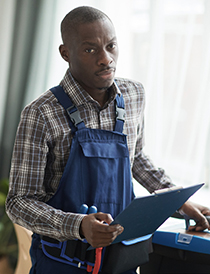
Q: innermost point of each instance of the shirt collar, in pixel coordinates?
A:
(78, 95)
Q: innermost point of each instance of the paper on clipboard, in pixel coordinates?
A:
(145, 214)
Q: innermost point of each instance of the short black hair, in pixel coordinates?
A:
(80, 15)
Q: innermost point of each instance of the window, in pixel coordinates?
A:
(164, 44)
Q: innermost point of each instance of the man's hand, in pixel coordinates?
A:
(196, 212)
(96, 232)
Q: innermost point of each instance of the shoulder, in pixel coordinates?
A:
(45, 115)
(130, 87)
(128, 84)
(45, 99)
(42, 105)
(132, 91)
(42, 112)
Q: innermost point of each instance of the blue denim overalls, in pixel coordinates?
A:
(97, 173)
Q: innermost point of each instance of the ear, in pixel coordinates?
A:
(64, 52)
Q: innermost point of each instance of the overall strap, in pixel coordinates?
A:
(120, 113)
(75, 120)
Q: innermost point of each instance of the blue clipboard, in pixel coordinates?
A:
(145, 214)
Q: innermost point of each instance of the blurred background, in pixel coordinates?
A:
(164, 44)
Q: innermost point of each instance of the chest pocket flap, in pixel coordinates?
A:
(104, 149)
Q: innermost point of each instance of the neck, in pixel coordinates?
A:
(101, 97)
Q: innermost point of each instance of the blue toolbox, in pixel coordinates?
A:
(177, 250)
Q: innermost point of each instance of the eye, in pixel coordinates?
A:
(90, 50)
(112, 46)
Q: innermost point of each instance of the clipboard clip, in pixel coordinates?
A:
(163, 190)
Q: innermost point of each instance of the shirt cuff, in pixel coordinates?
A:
(72, 225)
(77, 228)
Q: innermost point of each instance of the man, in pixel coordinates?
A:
(70, 156)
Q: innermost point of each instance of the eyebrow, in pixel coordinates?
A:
(89, 43)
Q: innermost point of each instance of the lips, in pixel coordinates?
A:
(106, 72)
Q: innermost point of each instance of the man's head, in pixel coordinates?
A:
(90, 48)
(80, 15)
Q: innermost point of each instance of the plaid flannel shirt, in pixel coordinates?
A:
(42, 147)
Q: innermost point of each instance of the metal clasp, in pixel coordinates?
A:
(184, 238)
(75, 115)
(120, 113)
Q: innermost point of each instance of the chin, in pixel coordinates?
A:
(104, 88)
(107, 85)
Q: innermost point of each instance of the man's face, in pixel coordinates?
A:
(92, 55)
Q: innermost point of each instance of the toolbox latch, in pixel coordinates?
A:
(184, 238)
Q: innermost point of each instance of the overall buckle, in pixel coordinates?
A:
(74, 115)
(120, 113)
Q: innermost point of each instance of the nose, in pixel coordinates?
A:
(104, 58)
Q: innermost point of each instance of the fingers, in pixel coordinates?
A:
(196, 212)
(197, 227)
(101, 239)
(206, 211)
(200, 225)
(107, 218)
(98, 233)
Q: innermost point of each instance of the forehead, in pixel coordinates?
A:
(98, 31)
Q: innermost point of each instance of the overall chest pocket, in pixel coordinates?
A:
(109, 150)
